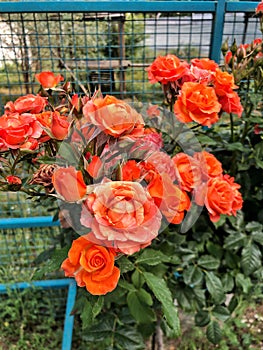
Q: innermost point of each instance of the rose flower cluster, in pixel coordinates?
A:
(122, 183)
(201, 91)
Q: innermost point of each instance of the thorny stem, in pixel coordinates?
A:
(232, 127)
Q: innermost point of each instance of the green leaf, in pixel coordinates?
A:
(145, 297)
(257, 236)
(236, 146)
(215, 287)
(65, 151)
(251, 258)
(235, 240)
(126, 285)
(213, 332)
(206, 140)
(97, 306)
(140, 311)
(125, 264)
(192, 275)
(208, 262)
(152, 257)
(227, 282)
(254, 226)
(221, 313)
(137, 279)
(163, 294)
(243, 282)
(202, 318)
(86, 315)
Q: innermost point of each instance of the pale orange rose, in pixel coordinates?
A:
(188, 172)
(59, 126)
(26, 104)
(165, 69)
(16, 129)
(48, 79)
(208, 164)
(162, 163)
(94, 167)
(69, 184)
(92, 266)
(197, 103)
(122, 215)
(112, 116)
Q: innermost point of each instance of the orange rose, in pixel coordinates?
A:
(224, 82)
(208, 165)
(114, 117)
(13, 180)
(92, 266)
(198, 103)
(130, 171)
(56, 124)
(174, 202)
(166, 69)
(16, 129)
(69, 183)
(162, 163)
(26, 104)
(237, 197)
(205, 63)
(230, 103)
(219, 198)
(122, 215)
(48, 80)
(188, 173)
(94, 167)
(259, 8)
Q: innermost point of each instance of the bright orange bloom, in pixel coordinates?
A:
(188, 172)
(197, 103)
(208, 164)
(92, 266)
(94, 167)
(16, 129)
(59, 126)
(69, 183)
(205, 63)
(224, 83)
(114, 117)
(48, 79)
(166, 69)
(259, 8)
(13, 180)
(175, 201)
(26, 104)
(230, 103)
(130, 171)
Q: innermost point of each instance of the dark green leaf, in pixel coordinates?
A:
(126, 285)
(97, 306)
(206, 140)
(152, 257)
(257, 236)
(202, 318)
(208, 262)
(243, 282)
(125, 264)
(213, 332)
(227, 282)
(236, 146)
(65, 151)
(163, 294)
(140, 311)
(86, 315)
(215, 287)
(254, 226)
(221, 312)
(235, 240)
(251, 258)
(192, 275)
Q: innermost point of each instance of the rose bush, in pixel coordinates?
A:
(156, 203)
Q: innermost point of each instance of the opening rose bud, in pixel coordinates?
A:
(69, 183)
(48, 79)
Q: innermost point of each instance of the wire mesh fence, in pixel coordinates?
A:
(106, 50)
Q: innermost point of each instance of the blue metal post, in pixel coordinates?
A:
(69, 319)
(218, 28)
